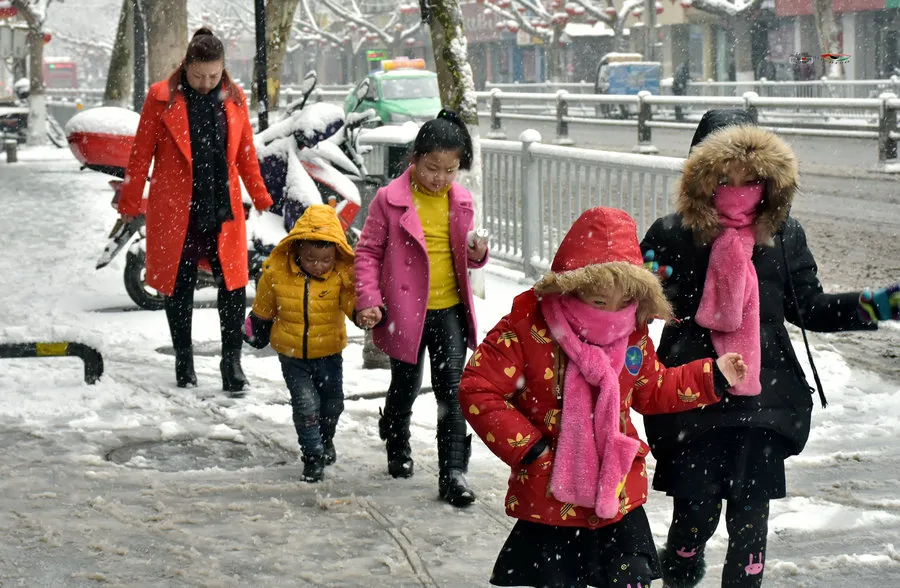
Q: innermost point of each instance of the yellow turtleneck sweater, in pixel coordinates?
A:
(434, 213)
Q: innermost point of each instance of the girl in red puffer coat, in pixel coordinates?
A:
(549, 391)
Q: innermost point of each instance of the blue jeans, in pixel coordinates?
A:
(317, 398)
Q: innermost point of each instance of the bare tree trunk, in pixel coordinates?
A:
(37, 117)
(827, 28)
(554, 56)
(37, 114)
(279, 22)
(458, 93)
(119, 76)
(167, 36)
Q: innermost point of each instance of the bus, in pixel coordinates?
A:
(60, 72)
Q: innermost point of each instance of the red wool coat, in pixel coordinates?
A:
(512, 392)
(164, 135)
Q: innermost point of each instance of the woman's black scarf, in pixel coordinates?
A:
(211, 197)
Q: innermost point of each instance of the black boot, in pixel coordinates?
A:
(233, 378)
(313, 468)
(454, 450)
(681, 572)
(184, 368)
(328, 425)
(395, 432)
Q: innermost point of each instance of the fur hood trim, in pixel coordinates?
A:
(764, 154)
(637, 283)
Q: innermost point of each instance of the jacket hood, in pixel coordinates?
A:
(318, 223)
(601, 250)
(719, 118)
(761, 152)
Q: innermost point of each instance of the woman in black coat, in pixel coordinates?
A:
(735, 450)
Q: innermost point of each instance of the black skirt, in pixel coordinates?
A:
(728, 464)
(548, 556)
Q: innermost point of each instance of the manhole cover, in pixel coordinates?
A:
(196, 454)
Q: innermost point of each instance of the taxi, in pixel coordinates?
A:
(400, 91)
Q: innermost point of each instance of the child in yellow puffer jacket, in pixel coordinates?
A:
(306, 289)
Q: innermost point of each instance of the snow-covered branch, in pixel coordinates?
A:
(106, 47)
(725, 7)
(520, 22)
(33, 11)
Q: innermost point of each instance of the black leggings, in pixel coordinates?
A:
(180, 305)
(445, 339)
(695, 521)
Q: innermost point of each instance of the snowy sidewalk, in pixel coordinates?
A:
(134, 482)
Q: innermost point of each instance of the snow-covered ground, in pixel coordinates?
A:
(134, 482)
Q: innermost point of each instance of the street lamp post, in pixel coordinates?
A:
(260, 64)
(140, 58)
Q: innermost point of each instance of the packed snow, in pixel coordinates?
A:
(134, 482)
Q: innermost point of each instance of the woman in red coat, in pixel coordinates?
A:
(550, 390)
(196, 127)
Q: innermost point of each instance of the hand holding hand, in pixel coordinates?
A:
(663, 272)
(880, 305)
(733, 368)
(367, 318)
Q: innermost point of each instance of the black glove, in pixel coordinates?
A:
(256, 331)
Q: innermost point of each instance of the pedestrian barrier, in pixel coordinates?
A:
(93, 361)
(533, 191)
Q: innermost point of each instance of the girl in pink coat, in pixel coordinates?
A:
(413, 290)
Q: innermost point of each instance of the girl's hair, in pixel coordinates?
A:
(205, 47)
(447, 132)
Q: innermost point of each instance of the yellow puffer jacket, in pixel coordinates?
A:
(308, 312)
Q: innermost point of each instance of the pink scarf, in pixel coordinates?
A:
(592, 454)
(729, 306)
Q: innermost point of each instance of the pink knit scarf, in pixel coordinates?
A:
(729, 306)
(592, 455)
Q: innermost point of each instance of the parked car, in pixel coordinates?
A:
(402, 90)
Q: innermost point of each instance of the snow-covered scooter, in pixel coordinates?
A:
(301, 168)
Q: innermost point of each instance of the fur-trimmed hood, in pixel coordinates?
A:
(600, 251)
(763, 153)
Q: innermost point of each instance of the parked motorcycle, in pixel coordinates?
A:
(14, 118)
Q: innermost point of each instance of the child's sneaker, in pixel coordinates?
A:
(313, 468)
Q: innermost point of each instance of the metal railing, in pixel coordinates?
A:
(875, 118)
(533, 191)
(821, 88)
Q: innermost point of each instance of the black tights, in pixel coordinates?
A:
(444, 337)
(695, 521)
(180, 305)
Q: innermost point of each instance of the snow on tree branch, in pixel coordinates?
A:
(725, 7)
(33, 11)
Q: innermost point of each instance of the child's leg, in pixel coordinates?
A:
(393, 426)
(693, 523)
(446, 339)
(748, 525)
(329, 380)
(298, 375)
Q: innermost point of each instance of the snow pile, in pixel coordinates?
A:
(108, 120)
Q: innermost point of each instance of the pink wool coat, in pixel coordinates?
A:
(392, 269)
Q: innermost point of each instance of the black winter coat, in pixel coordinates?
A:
(785, 404)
